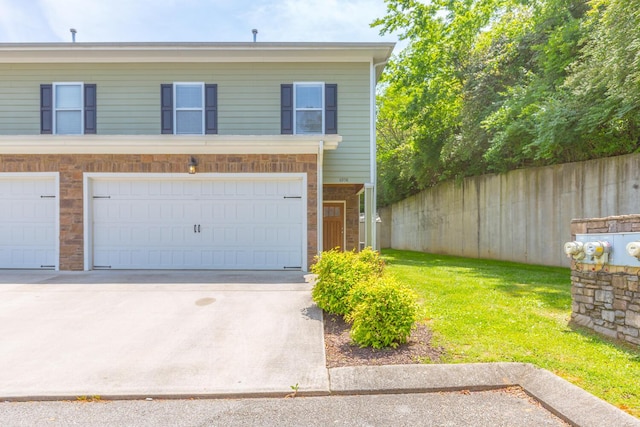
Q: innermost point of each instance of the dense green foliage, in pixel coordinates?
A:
(493, 85)
(384, 312)
(338, 272)
(495, 311)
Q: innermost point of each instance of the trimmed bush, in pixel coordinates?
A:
(373, 260)
(383, 314)
(338, 272)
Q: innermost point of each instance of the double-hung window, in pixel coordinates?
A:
(67, 112)
(189, 108)
(308, 108)
(68, 108)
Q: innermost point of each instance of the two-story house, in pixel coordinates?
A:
(185, 155)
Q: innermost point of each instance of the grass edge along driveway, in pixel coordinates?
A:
(494, 311)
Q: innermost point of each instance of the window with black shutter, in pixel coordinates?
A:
(68, 108)
(309, 108)
(189, 108)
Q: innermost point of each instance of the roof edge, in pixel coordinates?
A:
(235, 45)
(195, 52)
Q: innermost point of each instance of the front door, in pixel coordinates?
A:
(333, 226)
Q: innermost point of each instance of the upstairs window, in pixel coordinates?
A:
(309, 104)
(309, 108)
(68, 108)
(67, 113)
(189, 108)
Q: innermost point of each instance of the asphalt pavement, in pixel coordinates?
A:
(488, 408)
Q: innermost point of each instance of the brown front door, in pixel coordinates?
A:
(333, 226)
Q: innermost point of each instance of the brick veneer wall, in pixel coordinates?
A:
(606, 299)
(72, 167)
(349, 194)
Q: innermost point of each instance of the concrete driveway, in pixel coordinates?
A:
(158, 333)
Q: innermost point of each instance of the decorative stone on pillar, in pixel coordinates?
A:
(606, 294)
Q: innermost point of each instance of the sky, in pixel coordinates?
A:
(191, 20)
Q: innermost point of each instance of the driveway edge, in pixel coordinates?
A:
(567, 401)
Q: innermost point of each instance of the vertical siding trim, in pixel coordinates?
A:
(46, 108)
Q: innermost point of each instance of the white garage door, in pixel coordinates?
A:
(27, 221)
(218, 223)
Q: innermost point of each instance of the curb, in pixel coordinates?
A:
(565, 400)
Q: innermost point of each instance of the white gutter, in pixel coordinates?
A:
(192, 52)
(373, 148)
(320, 178)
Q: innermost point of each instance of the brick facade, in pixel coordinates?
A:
(72, 167)
(606, 298)
(348, 194)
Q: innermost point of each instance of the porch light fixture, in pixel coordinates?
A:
(192, 165)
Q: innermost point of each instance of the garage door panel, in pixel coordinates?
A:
(28, 222)
(208, 224)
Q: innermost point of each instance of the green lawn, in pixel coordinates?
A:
(490, 311)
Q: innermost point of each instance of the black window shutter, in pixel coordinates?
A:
(286, 109)
(331, 109)
(46, 108)
(211, 108)
(90, 108)
(166, 108)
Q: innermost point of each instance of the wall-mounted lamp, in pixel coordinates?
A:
(192, 165)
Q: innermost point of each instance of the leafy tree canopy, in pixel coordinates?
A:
(492, 85)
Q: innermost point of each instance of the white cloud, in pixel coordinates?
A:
(107, 20)
(189, 20)
(319, 20)
(22, 21)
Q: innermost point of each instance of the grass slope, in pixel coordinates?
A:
(490, 311)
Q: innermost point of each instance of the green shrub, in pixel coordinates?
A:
(383, 313)
(338, 272)
(373, 260)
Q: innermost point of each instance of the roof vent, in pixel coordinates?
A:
(255, 34)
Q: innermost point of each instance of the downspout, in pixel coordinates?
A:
(374, 166)
(320, 195)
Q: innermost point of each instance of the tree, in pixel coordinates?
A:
(427, 78)
(493, 85)
(395, 154)
(601, 97)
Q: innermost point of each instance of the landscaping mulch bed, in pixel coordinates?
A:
(341, 351)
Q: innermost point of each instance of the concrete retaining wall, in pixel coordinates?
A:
(522, 215)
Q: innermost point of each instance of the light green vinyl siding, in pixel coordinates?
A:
(128, 98)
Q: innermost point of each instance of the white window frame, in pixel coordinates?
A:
(296, 109)
(55, 109)
(176, 109)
